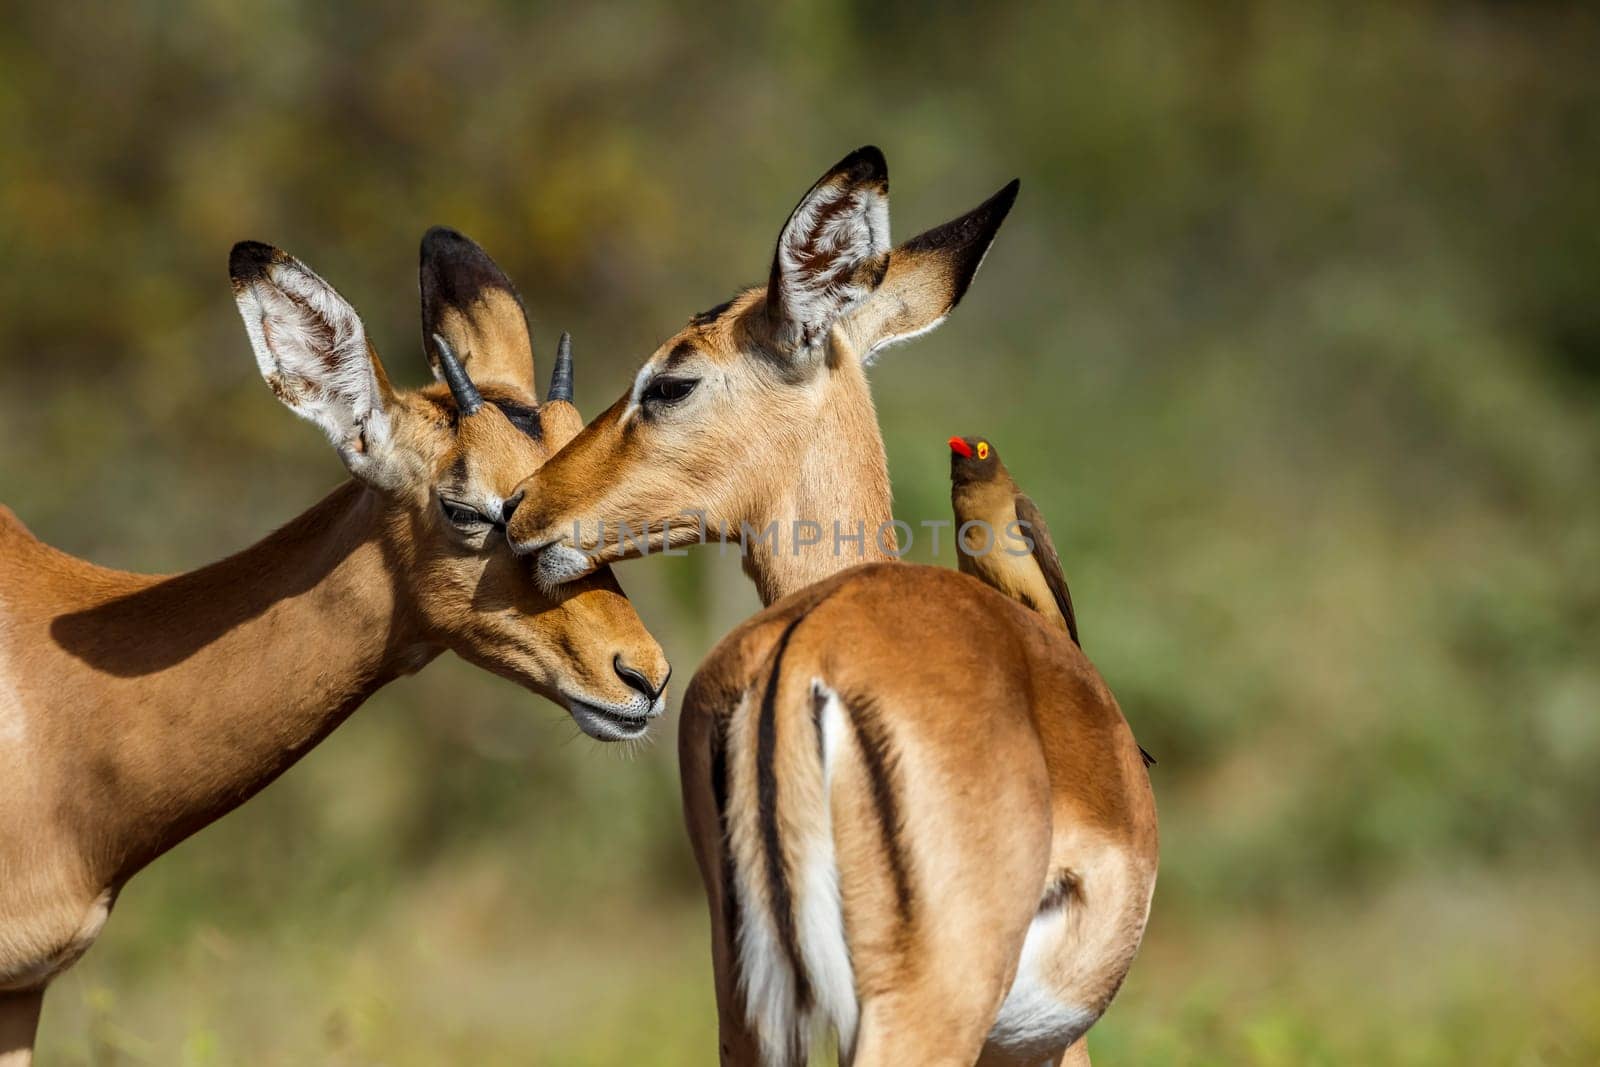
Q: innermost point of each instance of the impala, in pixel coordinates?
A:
(919, 814)
(136, 709)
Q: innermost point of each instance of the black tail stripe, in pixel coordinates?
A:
(1060, 889)
(719, 793)
(879, 757)
(782, 901)
(819, 700)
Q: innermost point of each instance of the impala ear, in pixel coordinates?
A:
(927, 277)
(832, 251)
(468, 300)
(313, 352)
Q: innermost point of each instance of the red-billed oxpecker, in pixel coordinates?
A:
(1002, 540)
(1001, 537)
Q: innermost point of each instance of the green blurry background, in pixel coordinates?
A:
(1294, 334)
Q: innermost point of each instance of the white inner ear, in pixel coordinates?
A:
(312, 350)
(821, 252)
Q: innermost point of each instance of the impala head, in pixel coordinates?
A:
(443, 463)
(761, 404)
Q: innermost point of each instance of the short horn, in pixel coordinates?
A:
(468, 399)
(561, 376)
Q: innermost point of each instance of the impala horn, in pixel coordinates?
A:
(561, 376)
(468, 399)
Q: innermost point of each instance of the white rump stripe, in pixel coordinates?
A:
(767, 980)
(820, 911)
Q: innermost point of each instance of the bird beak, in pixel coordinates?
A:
(960, 447)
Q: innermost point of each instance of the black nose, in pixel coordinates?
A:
(637, 680)
(510, 506)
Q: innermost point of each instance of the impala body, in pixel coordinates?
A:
(919, 814)
(135, 709)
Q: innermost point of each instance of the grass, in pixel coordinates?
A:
(1465, 969)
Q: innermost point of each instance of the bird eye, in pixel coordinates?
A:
(983, 449)
(669, 390)
(464, 518)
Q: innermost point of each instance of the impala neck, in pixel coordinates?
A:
(840, 484)
(208, 685)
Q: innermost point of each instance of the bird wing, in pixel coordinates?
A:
(1044, 554)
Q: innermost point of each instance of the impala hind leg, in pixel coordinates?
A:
(737, 1043)
(937, 909)
(931, 988)
(701, 766)
(938, 1029)
(1074, 1055)
(19, 1022)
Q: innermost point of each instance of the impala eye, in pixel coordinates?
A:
(669, 390)
(462, 517)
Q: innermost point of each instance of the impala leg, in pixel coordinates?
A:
(737, 1044)
(937, 996)
(19, 1022)
(1076, 1054)
(943, 1028)
(935, 949)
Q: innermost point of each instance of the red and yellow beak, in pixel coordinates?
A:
(960, 447)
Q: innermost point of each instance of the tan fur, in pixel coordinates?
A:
(136, 709)
(980, 728)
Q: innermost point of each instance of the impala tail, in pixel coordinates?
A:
(776, 751)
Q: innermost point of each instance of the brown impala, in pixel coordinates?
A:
(919, 813)
(134, 709)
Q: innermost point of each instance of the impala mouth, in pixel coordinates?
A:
(531, 545)
(555, 560)
(607, 721)
(558, 563)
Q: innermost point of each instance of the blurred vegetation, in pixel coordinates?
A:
(1294, 335)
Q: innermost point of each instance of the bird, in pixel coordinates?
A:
(1002, 539)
